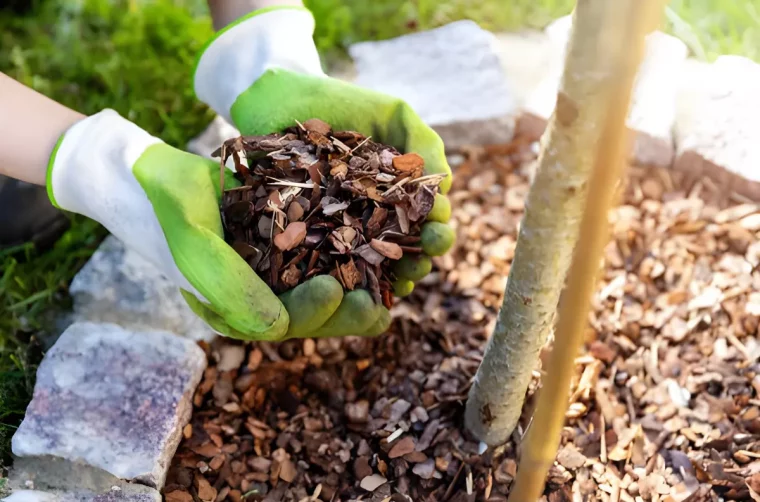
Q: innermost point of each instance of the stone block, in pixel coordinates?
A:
(50, 479)
(113, 399)
(525, 57)
(119, 286)
(653, 104)
(717, 127)
(149, 495)
(451, 76)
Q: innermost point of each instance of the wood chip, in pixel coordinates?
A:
(293, 235)
(388, 249)
(402, 447)
(178, 496)
(372, 482)
(408, 162)
(288, 471)
(206, 492)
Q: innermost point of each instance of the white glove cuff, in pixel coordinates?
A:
(90, 173)
(242, 52)
(94, 160)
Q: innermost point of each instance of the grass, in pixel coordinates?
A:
(714, 27)
(136, 56)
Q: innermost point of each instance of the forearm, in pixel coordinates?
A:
(224, 12)
(30, 125)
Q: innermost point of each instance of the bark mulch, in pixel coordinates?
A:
(315, 201)
(665, 403)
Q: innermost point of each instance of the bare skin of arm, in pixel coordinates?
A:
(30, 125)
(224, 12)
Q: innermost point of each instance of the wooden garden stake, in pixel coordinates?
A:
(632, 20)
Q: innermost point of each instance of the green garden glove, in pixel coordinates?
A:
(262, 74)
(164, 203)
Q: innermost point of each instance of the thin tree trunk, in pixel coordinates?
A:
(549, 230)
(540, 446)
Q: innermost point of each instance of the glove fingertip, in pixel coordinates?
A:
(445, 185)
(311, 304)
(437, 238)
(441, 211)
(403, 287)
(413, 268)
(355, 315)
(381, 325)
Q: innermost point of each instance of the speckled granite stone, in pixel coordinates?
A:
(114, 399)
(118, 285)
(83, 496)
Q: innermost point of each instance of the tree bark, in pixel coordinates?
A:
(550, 227)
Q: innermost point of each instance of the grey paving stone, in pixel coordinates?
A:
(451, 76)
(150, 495)
(118, 285)
(114, 399)
(51, 479)
(717, 126)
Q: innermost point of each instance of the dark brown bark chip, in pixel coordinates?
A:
(376, 221)
(402, 447)
(315, 189)
(421, 204)
(388, 249)
(370, 255)
(318, 126)
(362, 468)
(293, 235)
(350, 274)
(409, 162)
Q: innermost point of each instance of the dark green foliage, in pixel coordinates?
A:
(16, 384)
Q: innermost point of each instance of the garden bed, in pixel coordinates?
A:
(664, 404)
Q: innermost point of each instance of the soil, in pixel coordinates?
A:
(665, 402)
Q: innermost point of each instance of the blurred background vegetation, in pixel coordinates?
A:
(136, 56)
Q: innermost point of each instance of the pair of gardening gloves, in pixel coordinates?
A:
(262, 74)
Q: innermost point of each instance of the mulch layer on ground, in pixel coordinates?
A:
(665, 403)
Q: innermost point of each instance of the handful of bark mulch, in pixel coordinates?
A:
(315, 201)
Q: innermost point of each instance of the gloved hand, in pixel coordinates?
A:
(262, 73)
(164, 203)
